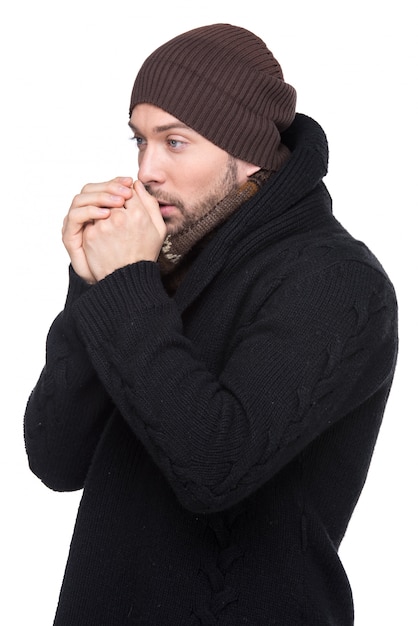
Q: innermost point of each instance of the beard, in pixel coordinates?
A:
(226, 183)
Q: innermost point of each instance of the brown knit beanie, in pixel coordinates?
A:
(223, 82)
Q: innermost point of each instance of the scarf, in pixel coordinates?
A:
(180, 249)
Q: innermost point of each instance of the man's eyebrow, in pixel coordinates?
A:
(163, 128)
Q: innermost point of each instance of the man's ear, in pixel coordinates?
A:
(252, 169)
(245, 169)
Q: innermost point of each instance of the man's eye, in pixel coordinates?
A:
(138, 140)
(175, 143)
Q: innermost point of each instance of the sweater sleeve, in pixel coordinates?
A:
(313, 352)
(68, 407)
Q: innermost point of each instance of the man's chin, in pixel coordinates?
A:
(178, 223)
(173, 227)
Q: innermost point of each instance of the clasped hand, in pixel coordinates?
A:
(110, 225)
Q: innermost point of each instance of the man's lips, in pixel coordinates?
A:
(167, 209)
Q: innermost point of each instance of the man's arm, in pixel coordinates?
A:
(108, 225)
(68, 408)
(311, 355)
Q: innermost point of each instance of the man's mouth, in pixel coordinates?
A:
(166, 209)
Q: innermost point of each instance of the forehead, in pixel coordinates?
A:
(149, 117)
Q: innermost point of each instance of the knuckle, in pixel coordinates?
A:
(76, 200)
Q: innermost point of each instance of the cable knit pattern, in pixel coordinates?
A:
(223, 435)
(222, 594)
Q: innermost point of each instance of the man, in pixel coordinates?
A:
(217, 378)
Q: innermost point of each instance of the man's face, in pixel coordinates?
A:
(185, 172)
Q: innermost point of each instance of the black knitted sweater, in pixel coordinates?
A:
(223, 435)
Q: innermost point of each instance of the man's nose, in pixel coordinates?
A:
(150, 168)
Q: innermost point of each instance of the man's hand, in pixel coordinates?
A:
(93, 204)
(133, 231)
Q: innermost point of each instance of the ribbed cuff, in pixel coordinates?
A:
(129, 294)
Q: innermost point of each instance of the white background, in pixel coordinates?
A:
(66, 75)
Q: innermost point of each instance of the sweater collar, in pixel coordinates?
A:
(271, 211)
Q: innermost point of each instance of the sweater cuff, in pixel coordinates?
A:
(76, 287)
(132, 293)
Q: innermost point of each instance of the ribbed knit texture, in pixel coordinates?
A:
(222, 81)
(222, 436)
